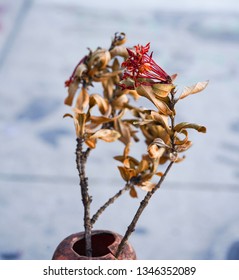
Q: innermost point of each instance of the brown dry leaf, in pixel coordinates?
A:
(143, 165)
(124, 130)
(72, 89)
(68, 115)
(155, 151)
(101, 102)
(162, 90)
(126, 150)
(183, 141)
(131, 162)
(184, 125)
(80, 70)
(133, 93)
(161, 119)
(126, 162)
(99, 58)
(108, 86)
(79, 121)
(133, 192)
(146, 91)
(119, 102)
(99, 120)
(91, 143)
(160, 174)
(126, 173)
(184, 147)
(119, 51)
(119, 158)
(147, 177)
(116, 65)
(106, 135)
(108, 75)
(193, 89)
(82, 100)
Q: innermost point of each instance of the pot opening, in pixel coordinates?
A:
(100, 244)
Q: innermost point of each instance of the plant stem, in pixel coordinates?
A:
(149, 194)
(81, 158)
(141, 208)
(108, 202)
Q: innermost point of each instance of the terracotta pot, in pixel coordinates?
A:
(104, 247)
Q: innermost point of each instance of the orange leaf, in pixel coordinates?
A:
(124, 173)
(91, 143)
(133, 193)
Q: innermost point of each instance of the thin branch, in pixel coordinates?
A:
(141, 208)
(108, 202)
(149, 194)
(81, 158)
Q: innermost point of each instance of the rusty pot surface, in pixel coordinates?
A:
(104, 247)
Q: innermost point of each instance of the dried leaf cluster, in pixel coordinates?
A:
(127, 74)
(138, 76)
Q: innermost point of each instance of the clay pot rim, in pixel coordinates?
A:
(95, 232)
(66, 251)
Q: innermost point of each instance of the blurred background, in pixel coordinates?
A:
(196, 213)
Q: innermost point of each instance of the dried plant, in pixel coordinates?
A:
(123, 84)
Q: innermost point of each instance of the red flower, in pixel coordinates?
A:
(140, 66)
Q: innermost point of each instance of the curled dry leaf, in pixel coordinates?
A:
(155, 151)
(157, 148)
(80, 70)
(118, 103)
(82, 101)
(160, 143)
(162, 90)
(184, 147)
(160, 119)
(193, 89)
(99, 59)
(106, 135)
(143, 165)
(146, 91)
(126, 173)
(131, 162)
(178, 141)
(119, 51)
(102, 103)
(72, 89)
(124, 130)
(184, 125)
(79, 121)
